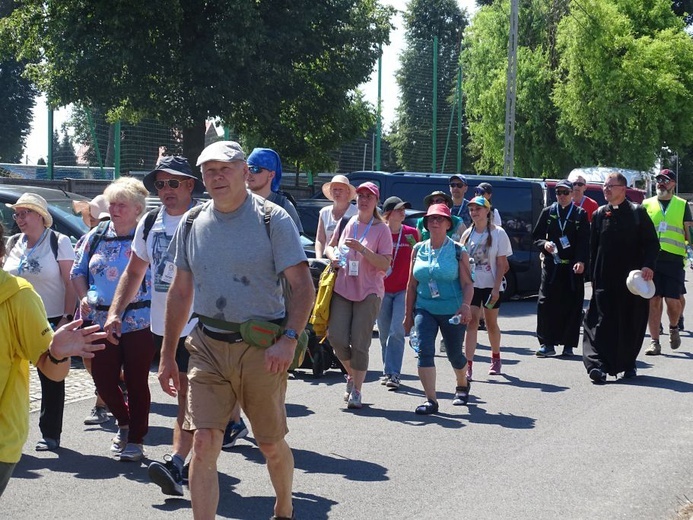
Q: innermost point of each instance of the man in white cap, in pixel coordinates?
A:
(174, 181)
(227, 269)
(623, 239)
(671, 217)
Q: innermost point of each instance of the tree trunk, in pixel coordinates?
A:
(194, 143)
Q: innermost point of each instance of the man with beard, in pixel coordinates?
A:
(562, 233)
(671, 217)
(622, 239)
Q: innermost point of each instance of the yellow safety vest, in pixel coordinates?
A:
(673, 239)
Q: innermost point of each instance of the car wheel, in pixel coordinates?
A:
(510, 285)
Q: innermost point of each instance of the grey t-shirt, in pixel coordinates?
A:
(235, 268)
(285, 203)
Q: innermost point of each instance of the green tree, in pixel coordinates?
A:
(63, 151)
(413, 141)
(17, 99)
(251, 63)
(625, 85)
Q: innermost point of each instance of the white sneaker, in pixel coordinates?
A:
(132, 452)
(120, 440)
(354, 399)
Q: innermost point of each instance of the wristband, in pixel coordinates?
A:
(54, 360)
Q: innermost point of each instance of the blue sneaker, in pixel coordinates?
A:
(546, 351)
(234, 431)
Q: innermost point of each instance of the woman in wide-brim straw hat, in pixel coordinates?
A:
(33, 255)
(341, 192)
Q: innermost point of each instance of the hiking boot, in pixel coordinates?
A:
(349, 387)
(354, 401)
(98, 415)
(120, 440)
(567, 352)
(132, 453)
(546, 351)
(598, 376)
(495, 368)
(167, 476)
(674, 338)
(655, 348)
(462, 395)
(234, 431)
(393, 383)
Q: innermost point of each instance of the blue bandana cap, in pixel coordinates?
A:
(269, 159)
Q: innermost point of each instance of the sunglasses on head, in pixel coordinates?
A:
(457, 185)
(256, 169)
(171, 183)
(562, 192)
(581, 184)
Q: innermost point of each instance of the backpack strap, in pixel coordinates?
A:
(267, 217)
(11, 242)
(192, 215)
(149, 222)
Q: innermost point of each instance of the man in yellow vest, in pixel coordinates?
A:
(671, 217)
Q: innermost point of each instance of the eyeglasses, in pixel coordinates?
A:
(256, 169)
(457, 185)
(436, 218)
(580, 184)
(21, 214)
(174, 184)
(663, 181)
(562, 192)
(612, 186)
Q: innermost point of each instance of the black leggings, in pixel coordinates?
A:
(52, 401)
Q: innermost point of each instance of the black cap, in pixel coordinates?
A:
(393, 203)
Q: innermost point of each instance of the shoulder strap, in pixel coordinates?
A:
(11, 242)
(98, 237)
(267, 217)
(458, 251)
(342, 224)
(149, 222)
(54, 243)
(192, 215)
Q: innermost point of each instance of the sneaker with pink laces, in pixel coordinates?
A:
(495, 368)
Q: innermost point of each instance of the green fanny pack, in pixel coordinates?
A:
(264, 334)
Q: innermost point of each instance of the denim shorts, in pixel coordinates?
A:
(427, 326)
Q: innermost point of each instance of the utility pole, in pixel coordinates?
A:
(511, 93)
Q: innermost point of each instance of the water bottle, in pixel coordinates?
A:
(342, 256)
(92, 295)
(472, 268)
(556, 256)
(455, 320)
(414, 340)
(689, 254)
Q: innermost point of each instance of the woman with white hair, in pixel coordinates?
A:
(101, 258)
(44, 258)
(341, 192)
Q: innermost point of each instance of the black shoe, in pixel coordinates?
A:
(167, 476)
(598, 376)
(680, 324)
(568, 352)
(482, 324)
(427, 408)
(630, 373)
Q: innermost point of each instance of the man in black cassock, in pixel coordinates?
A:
(622, 239)
(562, 233)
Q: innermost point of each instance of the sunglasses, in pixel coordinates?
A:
(436, 218)
(174, 184)
(562, 192)
(580, 184)
(256, 169)
(457, 185)
(663, 181)
(21, 214)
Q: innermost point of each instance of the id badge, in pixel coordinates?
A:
(565, 243)
(167, 275)
(353, 267)
(433, 287)
(662, 227)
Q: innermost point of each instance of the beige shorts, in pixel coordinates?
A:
(221, 375)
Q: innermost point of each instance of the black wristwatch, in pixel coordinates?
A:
(291, 334)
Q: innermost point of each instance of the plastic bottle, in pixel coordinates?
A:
(343, 252)
(472, 268)
(414, 340)
(689, 254)
(92, 295)
(556, 256)
(455, 320)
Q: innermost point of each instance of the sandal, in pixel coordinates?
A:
(462, 394)
(427, 408)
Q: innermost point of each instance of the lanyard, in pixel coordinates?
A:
(565, 221)
(26, 256)
(664, 211)
(356, 227)
(459, 210)
(433, 257)
(399, 237)
(582, 201)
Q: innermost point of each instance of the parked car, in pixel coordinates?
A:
(59, 206)
(519, 202)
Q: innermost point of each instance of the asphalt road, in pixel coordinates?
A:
(538, 442)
